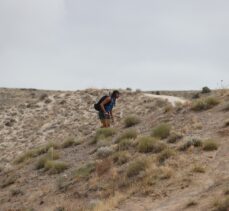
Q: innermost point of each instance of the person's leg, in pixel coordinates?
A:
(103, 122)
(102, 119)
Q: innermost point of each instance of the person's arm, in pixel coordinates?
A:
(107, 100)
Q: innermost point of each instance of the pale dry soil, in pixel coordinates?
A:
(31, 118)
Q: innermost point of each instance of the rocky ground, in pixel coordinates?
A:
(94, 174)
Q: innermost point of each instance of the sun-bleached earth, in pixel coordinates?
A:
(176, 172)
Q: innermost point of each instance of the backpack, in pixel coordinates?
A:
(97, 105)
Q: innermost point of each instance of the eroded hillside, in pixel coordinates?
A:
(156, 156)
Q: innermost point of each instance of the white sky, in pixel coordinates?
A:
(147, 44)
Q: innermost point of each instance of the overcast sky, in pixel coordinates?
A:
(146, 44)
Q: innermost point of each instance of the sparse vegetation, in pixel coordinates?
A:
(210, 145)
(204, 104)
(9, 180)
(150, 144)
(121, 157)
(185, 146)
(36, 152)
(16, 192)
(198, 169)
(197, 143)
(51, 155)
(193, 142)
(124, 144)
(70, 142)
(131, 121)
(103, 166)
(191, 204)
(222, 205)
(165, 154)
(162, 131)
(85, 171)
(55, 167)
(104, 152)
(128, 134)
(136, 167)
(103, 133)
(174, 137)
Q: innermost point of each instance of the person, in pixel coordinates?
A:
(106, 106)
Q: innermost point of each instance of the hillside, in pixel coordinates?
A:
(156, 156)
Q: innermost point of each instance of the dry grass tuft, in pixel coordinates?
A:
(121, 157)
(174, 137)
(149, 144)
(191, 204)
(221, 205)
(136, 167)
(110, 203)
(198, 169)
(205, 104)
(165, 154)
(210, 145)
(103, 166)
(9, 180)
(70, 142)
(131, 121)
(103, 133)
(128, 134)
(104, 152)
(125, 144)
(85, 171)
(55, 167)
(36, 152)
(162, 131)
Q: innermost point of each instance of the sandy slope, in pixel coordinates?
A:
(27, 120)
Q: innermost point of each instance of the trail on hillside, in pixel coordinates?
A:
(172, 99)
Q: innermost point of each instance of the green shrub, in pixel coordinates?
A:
(165, 154)
(121, 157)
(162, 131)
(55, 167)
(205, 104)
(136, 167)
(128, 134)
(206, 90)
(85, 171)
(149, 144)
(210, 145)
(131, 121)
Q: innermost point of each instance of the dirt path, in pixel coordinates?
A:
(172, 99)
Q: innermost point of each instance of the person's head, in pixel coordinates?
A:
(115, 94)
